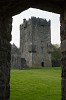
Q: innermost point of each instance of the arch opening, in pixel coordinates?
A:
(32, 50)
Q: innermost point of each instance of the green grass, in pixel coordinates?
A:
(36, 84)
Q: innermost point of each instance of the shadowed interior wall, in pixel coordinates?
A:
(5, 57)
(63, 50)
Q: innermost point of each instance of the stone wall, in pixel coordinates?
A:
(5, 57)
(25, 32)
(63, 50)
(15, 57)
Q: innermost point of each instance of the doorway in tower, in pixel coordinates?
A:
(42, 64)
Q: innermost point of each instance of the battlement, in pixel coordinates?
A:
(35, 21)
(40, 21)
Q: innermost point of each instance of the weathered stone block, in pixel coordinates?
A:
(64, 84)
(63, 46)
(63, 73)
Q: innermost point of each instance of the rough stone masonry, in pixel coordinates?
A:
(35, 41)
(35, 44)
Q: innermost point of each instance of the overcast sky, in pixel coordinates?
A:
(18, 19)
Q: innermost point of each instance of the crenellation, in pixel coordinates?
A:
(35, 21)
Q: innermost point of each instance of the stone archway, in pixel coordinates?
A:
(7, 10)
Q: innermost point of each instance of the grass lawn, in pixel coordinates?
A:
(36, 84)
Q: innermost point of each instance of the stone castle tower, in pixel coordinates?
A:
(35, 42)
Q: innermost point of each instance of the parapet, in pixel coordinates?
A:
(35, 21)
(40, 21)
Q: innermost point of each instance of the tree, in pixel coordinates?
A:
(56, 55)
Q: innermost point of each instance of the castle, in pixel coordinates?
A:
(35, 43)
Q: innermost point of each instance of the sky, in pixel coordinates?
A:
(18, 19)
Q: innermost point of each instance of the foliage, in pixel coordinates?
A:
(36, 84)
(56, 55)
